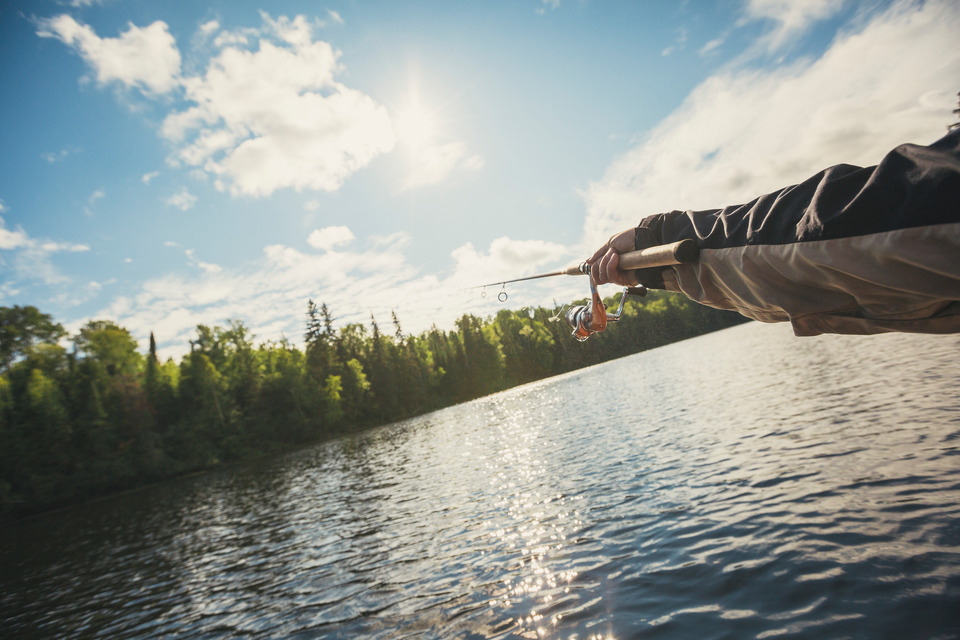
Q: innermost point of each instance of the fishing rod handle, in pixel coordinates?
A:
(663, 255)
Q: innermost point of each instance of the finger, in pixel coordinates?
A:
(597, 255)
(612, 267)
(604, 274)
(595, 270)
(619, 242)
(599, 270)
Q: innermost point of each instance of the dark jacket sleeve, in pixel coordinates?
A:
(850, 250)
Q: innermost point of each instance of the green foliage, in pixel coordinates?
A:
(74, 425)
(332, 401)
(21, 328)
(110, 346)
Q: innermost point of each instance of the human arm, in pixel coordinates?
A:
(850, 250)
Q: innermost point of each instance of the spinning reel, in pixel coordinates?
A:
(588, 319)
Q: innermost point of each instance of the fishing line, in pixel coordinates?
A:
(588, 319)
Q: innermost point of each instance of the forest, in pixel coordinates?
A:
(85, 415)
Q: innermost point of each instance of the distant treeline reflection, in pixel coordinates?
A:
(101, 417)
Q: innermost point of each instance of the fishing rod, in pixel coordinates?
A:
(586, 320)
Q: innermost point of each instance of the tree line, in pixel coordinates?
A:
(95, 416)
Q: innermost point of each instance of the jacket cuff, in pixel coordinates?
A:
(649, 233)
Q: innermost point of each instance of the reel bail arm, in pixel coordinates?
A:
(586, 320)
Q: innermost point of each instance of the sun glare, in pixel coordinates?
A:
(416, 126)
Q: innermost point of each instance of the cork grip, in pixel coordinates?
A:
(660, 256)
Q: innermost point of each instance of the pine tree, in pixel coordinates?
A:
(396, 324)
(956, 125)
(151, 375)
(315, 329)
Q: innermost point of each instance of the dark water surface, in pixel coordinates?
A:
(745, 484)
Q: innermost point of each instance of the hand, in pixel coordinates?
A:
(605, 263)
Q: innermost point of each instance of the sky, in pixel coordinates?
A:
(169, 164)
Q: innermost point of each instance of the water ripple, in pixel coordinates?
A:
(745, 484)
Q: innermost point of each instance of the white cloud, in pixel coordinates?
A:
(29, 259)
(239, 37)
(202, 35)
(432, 164)
(678, 44)
(209, 267)
(98, 194)
(209, 27)
(546, 5)
(296, 32)
(183, 200)
(57, 156)
(54, 247)
(744, 133)
(12, 239)
(335, 16)
(329, 238)
(265, 117)
(275, 117)
(793, 17)
(393, 241)
(711, 46)
(506, 259)
(146, 58)
(148, 177)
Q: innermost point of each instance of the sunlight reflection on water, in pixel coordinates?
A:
(745, 484)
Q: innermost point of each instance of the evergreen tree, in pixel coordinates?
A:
(315, 327)
(956, 125)
(151, 374)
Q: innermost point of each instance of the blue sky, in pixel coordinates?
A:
(170, 164)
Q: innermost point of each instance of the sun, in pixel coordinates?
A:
(416, 126)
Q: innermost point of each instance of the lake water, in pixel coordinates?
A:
(744, 484)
